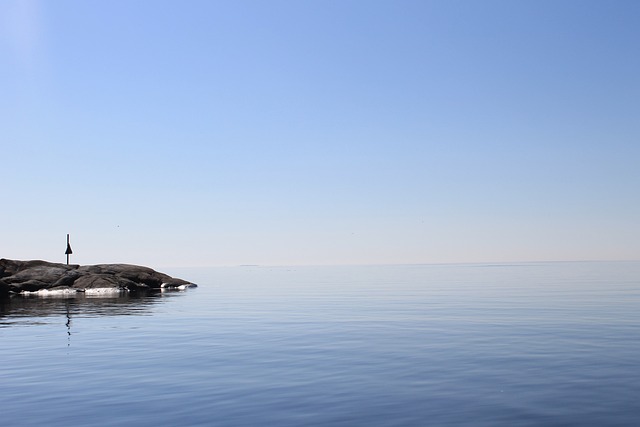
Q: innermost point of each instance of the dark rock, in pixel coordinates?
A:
(4, 287)
(67, 279)
(97, 281)
(30, 276)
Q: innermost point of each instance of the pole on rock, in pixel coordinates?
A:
(68, 251)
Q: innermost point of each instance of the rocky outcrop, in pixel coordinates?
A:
(32, 276)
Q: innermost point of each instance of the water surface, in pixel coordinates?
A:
(478, 345)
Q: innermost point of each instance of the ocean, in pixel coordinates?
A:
(532, 344)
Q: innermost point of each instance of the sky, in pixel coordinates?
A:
(308, 132)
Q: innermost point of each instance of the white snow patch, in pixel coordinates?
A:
(103, 291)
(52, 293)
(180, 287)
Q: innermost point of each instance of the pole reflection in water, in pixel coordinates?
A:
(68, 323)
(45, 309)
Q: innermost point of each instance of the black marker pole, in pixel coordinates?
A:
(68, 251)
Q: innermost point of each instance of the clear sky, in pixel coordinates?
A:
(205, 133)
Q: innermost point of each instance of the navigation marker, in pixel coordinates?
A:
(68, 251)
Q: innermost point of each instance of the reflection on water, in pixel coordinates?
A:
(36, 309)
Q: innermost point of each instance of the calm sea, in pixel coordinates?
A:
(542, 344)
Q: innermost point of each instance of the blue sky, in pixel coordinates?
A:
(204, 133)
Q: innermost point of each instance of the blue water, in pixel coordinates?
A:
(553, 344)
